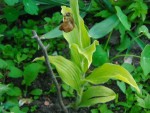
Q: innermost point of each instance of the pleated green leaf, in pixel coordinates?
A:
(111, 71)
(83, 57)
(96, 94)
(68, 71)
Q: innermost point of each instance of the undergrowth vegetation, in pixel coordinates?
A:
(99, 51)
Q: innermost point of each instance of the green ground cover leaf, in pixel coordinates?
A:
(3, 89)
(123, 18)
(36, 92)
(11, 2)
(143, 29)
(31, 7)
(15, 72)
(101, 29)
(14, 91)
(31, 72)
(145, 60)
(11, 14)
(99, 56)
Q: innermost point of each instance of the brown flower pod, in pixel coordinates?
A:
(68, 23)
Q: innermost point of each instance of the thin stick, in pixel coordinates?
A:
(44, 49)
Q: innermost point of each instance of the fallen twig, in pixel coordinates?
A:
(44, 49)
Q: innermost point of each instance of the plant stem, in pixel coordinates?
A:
(44, 49)
(138, 41)
(124, 55)
(109, 36)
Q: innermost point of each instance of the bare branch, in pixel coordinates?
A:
(44, 49)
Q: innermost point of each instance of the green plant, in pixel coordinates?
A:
(73, 72)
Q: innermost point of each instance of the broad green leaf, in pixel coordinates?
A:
(31, 72)
(83, 57)
(30, 7)
(111, 71)
(14, 91)
(16, 109)
(123, 18)
(145, 60)
(68, 71)
(101, 94)
(3, 89)
(143, 29)
(37, 92)
(144, 103)
(99, 56)
(3, 28)
(55, 33)
(15, 72)
(101, 29)
(11, 2)
(122, 86)
(3, 64)
(11, 14)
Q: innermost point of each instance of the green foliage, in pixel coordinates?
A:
(36, 92)
(99, 56)
(129, 18)
(101, 29)
(15, 72)
(145, 59)
(72, 72)
(30, 7)
(101, 95)
(11, 2)
(31, 72)
(138, 9)
(122, 18)
(144, 30)
(144, 103)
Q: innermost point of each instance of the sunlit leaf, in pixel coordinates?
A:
(101, 29)
(83, 57)
(145, 60)
(101, 95)
(111, 71)
(79, 35)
